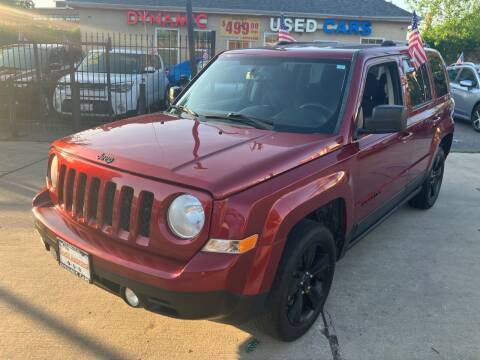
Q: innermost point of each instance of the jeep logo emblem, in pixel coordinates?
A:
(106, 158)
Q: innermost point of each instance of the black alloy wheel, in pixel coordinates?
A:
(428, 195)
(307, 289)
(302, 282)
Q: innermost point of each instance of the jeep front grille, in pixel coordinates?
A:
(104, 204)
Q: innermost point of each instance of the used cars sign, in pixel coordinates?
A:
(329, 26)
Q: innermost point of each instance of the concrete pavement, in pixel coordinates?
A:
(410, 290)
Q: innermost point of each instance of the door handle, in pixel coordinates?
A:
(406, 135)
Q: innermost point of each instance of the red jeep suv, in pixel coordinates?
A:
(238, 201)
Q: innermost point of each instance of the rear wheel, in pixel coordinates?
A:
(476, 118)
(302, 283)
(427, 197)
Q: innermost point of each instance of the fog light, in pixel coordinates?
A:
(131, 298)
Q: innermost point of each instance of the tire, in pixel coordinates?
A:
(303, 279)
(476, 118)
(427, 197)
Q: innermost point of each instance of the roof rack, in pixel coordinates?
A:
(338, 45)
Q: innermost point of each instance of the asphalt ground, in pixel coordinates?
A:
(409, 290)
(465, 138)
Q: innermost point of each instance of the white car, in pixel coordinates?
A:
(129, 68)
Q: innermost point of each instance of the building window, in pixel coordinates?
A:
(371, 41)
(237, 44)
(168, 45)
(270, 39)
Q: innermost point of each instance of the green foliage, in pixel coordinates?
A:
(27, 4)
(450, 26)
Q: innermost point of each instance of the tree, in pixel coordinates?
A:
(450, 26)
(27, 4)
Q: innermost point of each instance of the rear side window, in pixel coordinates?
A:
(438, 72)
(418, 85)
(468, 74)
(452, 74)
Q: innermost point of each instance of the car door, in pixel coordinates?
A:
(464, 95)
(383, 160)
(423, 115)
(453, 73)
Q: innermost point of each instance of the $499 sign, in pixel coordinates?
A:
(245, 28)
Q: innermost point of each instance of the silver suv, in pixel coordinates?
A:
(465, 86)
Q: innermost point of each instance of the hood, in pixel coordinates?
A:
(219, 158)
(16, 74)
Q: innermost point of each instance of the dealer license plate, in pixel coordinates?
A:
(74, 260)
(86, 107)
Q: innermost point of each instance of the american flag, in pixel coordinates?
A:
(415, 44)
(460, 60)
(283, 33)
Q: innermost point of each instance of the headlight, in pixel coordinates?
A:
(122, 88)
(53, 171)
(186, 216)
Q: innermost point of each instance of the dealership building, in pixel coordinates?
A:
(246, 23)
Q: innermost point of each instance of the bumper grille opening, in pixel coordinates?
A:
(82, 182)
(145, 213)
(93, 199)
(61, 183)
(126, 208)
(69, 190)
(110, 190)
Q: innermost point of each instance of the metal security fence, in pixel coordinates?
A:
(49, 90)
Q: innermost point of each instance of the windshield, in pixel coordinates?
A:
(292, 94)
(21, 57)
(120, 63)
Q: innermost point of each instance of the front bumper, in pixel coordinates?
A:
(196, 290)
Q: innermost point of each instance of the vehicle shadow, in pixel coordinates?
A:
(313, 345)
(69, 333)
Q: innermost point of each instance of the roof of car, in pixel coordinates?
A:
(134, 51)
(337, 50)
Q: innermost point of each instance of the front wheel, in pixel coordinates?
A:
(476, 118)
(302, 283)
(427, 197)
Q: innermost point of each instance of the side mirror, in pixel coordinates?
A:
(149, 70)
(467, 83)
(173, 93)
(386, 119)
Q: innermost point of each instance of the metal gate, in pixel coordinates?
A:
(49, 90)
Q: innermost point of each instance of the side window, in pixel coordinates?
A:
(468, 74)
(418, 85)
(438, 72)
(452, 74)
(382, 87)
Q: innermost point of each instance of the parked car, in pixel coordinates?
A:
(238, 201)
(30, 73)
(465, 82)
(181, 73)
(128, 69)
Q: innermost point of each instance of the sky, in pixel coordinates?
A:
(51, 3)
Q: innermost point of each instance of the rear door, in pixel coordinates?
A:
(422, 115)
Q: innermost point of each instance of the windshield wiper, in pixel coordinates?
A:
(183, 109)
(244, 119)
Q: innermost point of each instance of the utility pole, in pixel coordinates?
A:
(191, 40)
